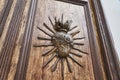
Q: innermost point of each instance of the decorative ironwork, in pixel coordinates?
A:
(62, 42)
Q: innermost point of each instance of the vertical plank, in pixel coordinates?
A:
(9, 44)
(4, 14)
(26, 43)
(95, 58)
(17, 48)
(109, 56)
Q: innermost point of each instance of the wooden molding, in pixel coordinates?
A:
(26, 44)
(76, 2)
(109, 55)
(4, 14)
(10, 40)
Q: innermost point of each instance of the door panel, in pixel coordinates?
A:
(21, 22)
(72, 12)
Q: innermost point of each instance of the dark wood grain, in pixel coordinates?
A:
(26, 44)
(3, 9)
(108, 52)
(9, 44)
(4, 14)
(95, 58)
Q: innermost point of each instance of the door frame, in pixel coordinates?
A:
(93, 10)
(108, 53)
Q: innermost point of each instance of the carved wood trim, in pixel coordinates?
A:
(77, 2)
(26, 44)
(10, 40)
(93, 46)
(109, 55)
(4, 14)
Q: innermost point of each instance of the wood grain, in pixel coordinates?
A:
(76, 14)
(25, 47)
(2, 38)
(9, 44)
(4, 14)
(17, 48)
(109, 55)
(19, 60)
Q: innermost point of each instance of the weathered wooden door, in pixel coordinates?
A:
(25, 25)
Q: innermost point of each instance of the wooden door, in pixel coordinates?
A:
(72, 12)
(27, 28)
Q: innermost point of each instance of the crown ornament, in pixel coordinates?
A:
(61, 26)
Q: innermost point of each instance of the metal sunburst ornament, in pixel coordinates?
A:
(62, 43)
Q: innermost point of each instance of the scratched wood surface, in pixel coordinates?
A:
(13, 27)
(72, 12)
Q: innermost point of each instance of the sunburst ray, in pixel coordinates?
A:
(54, 66)
(44, 45)
(50, 21)
(62, 18)
(48, 28)
(50, 51)
(76, 54)
(44, 32)
(55, 19)
(74, 33)
(75, 60)
(41, 38)
(79, 44)
(80, 50)
(69, 66)
(78, 38)
(62, 69)
(73, 28)
(49, 60)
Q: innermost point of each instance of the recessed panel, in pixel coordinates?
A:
(47, 13)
